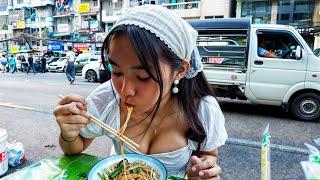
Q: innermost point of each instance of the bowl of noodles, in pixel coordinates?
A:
(128, 166)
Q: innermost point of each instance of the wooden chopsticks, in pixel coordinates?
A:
(112, 131)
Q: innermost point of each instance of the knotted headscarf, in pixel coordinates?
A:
(175, 32)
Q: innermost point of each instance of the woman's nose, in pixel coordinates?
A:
(127, 88)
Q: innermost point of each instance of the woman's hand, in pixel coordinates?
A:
(204, 167)
(71, 115)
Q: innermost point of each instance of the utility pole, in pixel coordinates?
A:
(40, 34)
(100, 15)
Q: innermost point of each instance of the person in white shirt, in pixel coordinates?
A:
(156, 70)
(70, 70)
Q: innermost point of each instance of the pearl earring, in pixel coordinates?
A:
(175, 89)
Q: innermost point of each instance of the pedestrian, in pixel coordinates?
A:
(43, 64)
(104, 71)
(31, 64)
(12, 64)
(157, 71)
(70, 70)
(24, 64)
(4, 63)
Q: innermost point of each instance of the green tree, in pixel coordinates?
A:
(5, 27)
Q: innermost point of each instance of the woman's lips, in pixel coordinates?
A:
(128, 104)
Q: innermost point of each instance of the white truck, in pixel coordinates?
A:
(232, 64)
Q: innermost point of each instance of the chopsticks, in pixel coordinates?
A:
(112, 131)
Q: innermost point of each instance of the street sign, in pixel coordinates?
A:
(55, 46)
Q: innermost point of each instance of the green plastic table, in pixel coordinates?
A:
(63, 168)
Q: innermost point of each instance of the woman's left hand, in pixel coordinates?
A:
(204, 167)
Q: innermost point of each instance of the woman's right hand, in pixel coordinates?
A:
(71, 115)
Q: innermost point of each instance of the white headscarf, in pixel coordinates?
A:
(175, 32)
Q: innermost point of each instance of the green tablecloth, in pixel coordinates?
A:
(62, 168)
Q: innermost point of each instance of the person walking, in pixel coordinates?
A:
(31, 65)
(4, 63)
(24, 64)
(43, 64)
(12, 64)
(70, 70)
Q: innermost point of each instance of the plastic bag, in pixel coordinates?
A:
(311, 168)
(16, 153)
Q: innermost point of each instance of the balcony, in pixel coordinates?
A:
(62, 12)
(186, 9)
(21, 4)
(38, 3)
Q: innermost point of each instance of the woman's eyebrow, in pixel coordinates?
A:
(112, 62)
(138, 67)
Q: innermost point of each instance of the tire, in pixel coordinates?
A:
(306, 107)
(91, 76)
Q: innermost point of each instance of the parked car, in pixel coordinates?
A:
(58, 66)
(83, 60)
(51, 60)
(90, 71)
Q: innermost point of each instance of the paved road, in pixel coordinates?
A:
(239, 158)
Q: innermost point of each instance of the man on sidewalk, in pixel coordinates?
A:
(31, 65)
(43, 64)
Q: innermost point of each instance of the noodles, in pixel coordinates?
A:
(138, 170)
(124, 127)
(124, 170)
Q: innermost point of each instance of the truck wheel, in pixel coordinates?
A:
(306, 107)
(91, 76)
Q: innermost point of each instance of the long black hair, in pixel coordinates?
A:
(150, 51)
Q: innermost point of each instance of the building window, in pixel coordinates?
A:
(285, 17)
(259, 11)
(303, 5)
(218, 17)
(118, 5)
(95, 3)
(285, 3)
(301, 16)
(19, 1)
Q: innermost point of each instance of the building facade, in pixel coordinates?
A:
(301, 14)
(187, 9)
(5, 30)
(87, 22)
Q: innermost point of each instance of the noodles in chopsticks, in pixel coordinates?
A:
(124, 170)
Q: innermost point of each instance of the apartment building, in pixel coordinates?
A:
(4, 29)
(64, 13)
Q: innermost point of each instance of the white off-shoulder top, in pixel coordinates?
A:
(103, 104)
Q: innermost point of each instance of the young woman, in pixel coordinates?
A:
(4, 63)
(157, 70)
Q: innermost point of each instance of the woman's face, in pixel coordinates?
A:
(135, 87)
